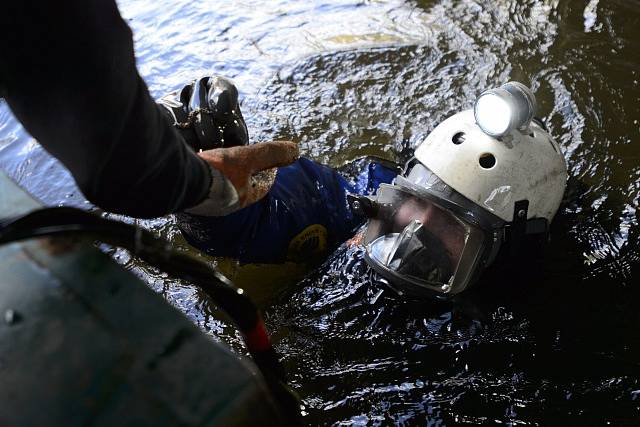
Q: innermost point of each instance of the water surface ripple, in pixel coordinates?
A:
(554, 340)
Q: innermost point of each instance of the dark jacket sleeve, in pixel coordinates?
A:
(69, 75)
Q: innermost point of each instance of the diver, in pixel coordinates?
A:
(482, 181)
(304, 212)
(68, 73)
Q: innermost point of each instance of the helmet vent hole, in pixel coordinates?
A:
(487, 161)
(458, 138)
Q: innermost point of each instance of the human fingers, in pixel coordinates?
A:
(259, 185)
(268, 155)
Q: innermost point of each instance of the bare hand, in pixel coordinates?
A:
(242, 166)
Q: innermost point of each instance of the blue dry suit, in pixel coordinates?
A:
(303, 217)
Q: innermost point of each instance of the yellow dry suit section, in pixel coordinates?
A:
(305, 251)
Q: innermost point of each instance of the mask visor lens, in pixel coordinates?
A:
(416, 240)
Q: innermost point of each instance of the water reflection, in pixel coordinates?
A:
(557, 329)
(551, 340)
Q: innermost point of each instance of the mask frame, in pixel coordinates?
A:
(486, 239)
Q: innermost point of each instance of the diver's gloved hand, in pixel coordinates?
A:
(207, 114)
(242, 175)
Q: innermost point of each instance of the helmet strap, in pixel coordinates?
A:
(518, 227)
(521, 226)
(363, 205)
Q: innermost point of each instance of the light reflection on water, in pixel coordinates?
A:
(555, 340)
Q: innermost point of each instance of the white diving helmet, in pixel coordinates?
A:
(481, 178)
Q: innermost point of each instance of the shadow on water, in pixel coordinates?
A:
(550, 339)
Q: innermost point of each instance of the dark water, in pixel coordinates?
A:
(552, 340)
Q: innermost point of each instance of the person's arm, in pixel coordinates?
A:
(70, 77)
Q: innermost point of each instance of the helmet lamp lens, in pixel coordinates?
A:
(499, 111)
(493, 114)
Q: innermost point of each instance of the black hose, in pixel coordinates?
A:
(159, 253)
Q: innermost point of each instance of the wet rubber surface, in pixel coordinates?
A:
(550, 341)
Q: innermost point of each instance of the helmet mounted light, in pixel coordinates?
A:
(500, 111)
(440, 223)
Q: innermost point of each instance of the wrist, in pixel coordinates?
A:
(221, 199)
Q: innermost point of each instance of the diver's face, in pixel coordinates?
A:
(439, 222)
